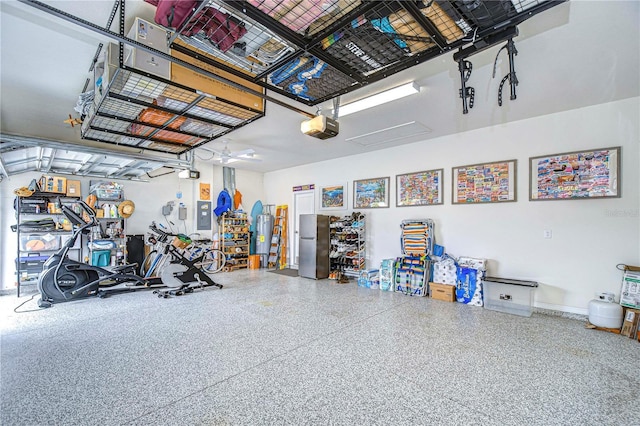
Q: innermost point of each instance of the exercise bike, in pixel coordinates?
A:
(180, 273)
(64, 279)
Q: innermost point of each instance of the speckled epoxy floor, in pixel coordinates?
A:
(272, 349)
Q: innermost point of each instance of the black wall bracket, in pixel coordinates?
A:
(511, 76)
(465, 67)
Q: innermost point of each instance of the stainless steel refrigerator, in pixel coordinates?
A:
(314, 246)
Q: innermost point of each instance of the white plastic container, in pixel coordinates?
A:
(605, 314)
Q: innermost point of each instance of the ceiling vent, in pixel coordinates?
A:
(390, 134)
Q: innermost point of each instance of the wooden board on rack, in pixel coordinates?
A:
(206, 84)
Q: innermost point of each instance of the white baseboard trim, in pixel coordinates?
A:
(560, 308)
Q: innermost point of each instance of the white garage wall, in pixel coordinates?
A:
(149, 198)
(589, 237)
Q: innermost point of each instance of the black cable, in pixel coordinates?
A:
(23, 303)
(495, 61)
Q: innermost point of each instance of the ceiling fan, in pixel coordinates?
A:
(226, 156)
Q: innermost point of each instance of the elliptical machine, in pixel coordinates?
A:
(64, 279)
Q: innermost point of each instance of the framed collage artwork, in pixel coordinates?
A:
(333, 197)
(484, 183)
(575, 175)
(371, 193)
(419, 188)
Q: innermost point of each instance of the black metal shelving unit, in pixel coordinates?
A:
(31, 257)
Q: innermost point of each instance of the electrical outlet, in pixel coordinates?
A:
(547, 233)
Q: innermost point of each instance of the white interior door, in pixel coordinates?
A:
(304, 202)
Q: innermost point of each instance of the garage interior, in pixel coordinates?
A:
(495, 82)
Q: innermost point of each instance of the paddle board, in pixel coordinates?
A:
(255, 211)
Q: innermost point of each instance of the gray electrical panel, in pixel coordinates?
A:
(204, 216)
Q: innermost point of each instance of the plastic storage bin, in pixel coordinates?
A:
(509, 295)
(39, 242)
(101, 257)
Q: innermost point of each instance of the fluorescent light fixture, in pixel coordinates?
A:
(379, 99)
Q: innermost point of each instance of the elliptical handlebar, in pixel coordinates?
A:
(77, 219)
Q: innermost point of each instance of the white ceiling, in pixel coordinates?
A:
(574, 55)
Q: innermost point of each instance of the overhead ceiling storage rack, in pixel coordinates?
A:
(315, 50)
(310, 51)
(135, 108)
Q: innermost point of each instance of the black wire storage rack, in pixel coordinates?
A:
(315, 50)
(310, 51)
(137, 109)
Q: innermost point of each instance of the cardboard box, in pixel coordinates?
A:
(206, 84)
(54, 184)
(630, 291)
(151, 35)
(444, 292)
(630, 324)
(73, 188)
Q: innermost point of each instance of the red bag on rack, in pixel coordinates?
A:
(220, 28)
(172, 13)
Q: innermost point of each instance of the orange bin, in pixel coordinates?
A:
(254, 261)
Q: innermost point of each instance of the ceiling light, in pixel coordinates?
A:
(379, 99)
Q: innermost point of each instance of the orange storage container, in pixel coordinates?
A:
(254, 261)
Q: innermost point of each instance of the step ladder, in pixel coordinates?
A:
(278, 249)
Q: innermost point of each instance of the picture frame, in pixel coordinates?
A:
(423, 188)
(577, 175)
(333, 197)
(493, 182)
(371, 193)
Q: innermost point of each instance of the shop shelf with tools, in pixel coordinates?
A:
(313, 51)
(41, 231)
(107, 241)
(234, 240)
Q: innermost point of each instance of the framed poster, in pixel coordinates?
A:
(371, 193)
(205, 191)
(484, 183)
(575, 175)
(333, 197)
(419, 188)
